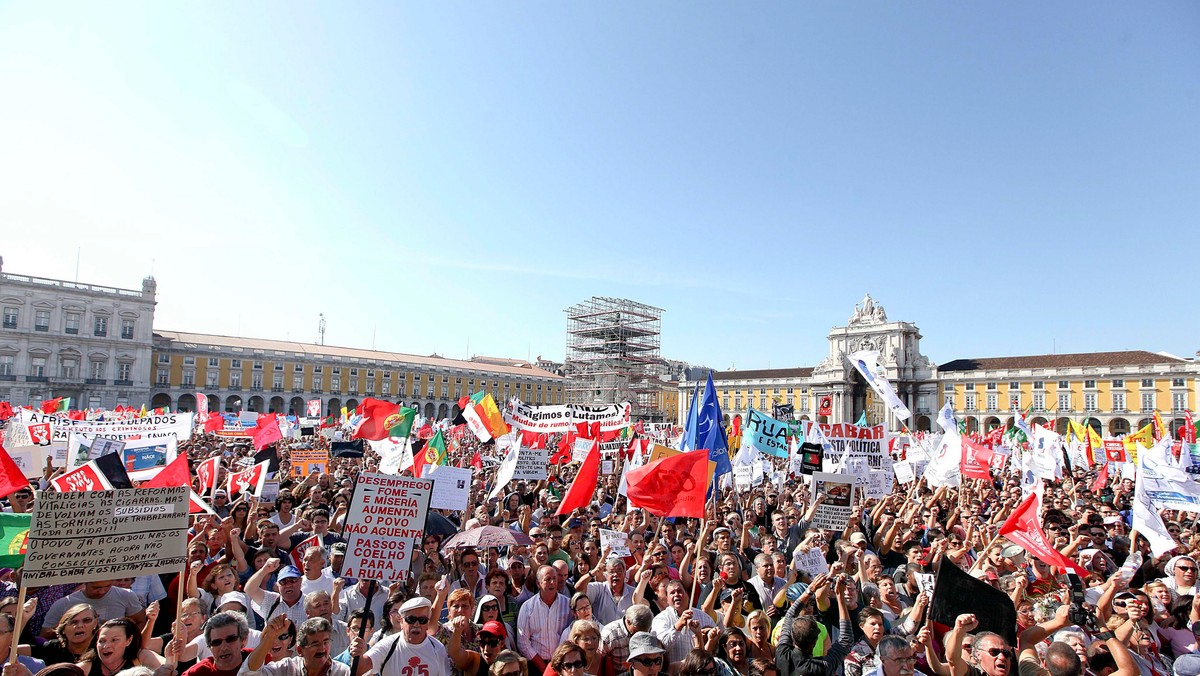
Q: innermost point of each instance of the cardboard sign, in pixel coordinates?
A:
(103, 535)
(904, 472)
(838, 490)
(879, 484)
(606, 466)
(810, 561)
(531, 464)
(306, 461)
(386, 520)
(270, 490)
(581, 448)
(451, 487)
(615, 539)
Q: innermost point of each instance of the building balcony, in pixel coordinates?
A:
(95, 381)
(71, 331)
(8, 377)
(297, 390)
(36, 379)
(276, 389)
(1120, 410)
(123, 383)
(256, 389)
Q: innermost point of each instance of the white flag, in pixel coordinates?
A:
(1146, 519)
(867, 363)
(946, 418)
(395, 454)
(508, 466)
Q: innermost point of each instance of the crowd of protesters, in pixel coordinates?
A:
(697, 597)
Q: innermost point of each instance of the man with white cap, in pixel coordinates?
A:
(411, 650)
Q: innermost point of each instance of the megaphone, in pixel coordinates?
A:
(1014, 553)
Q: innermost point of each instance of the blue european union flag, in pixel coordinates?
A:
(710, 430)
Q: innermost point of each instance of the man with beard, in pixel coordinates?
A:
(225, 634)
(411, 650)
(313, 645)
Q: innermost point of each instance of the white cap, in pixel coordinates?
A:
(416, 603)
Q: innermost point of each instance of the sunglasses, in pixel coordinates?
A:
(1186, 569)
(490, 642)
(997, 652)
(571, 666)
(489, 606)
(416, 619)
(223, 641)
(648, 661)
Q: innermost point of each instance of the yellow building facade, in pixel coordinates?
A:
(250, 374)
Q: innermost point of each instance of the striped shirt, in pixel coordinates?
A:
(678, 643)
(539, 625)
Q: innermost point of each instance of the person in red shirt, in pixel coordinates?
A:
(226, 635)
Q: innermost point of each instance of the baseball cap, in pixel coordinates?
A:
(725, 595)
(339, 548)
(858, 537)
(494, 628)
(1125, 595)
(575, 523)
(517, 559)
(220, 493)
(288, 573)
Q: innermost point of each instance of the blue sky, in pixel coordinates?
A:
(1014, 178)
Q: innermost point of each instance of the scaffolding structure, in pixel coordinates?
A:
(613, 355)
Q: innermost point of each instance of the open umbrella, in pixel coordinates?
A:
(436, 524)
(486, 537)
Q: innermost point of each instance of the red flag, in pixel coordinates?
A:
(477, 461)
(266, 431)
(584, 485)
(1188, 433)
(50, 405)
(639, 428)
(174, 474)
(1101, 480)
(215, 422)
(1022, 528)
(1114, 450)
(381, 416)
(207, 472)
(199, 506)
(12, 479)
(533, 439)
(250, 480)
(673, 486)
(298, 551)
(6, 410)
(976, 460)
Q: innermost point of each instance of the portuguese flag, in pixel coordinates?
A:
(14, 534)
(434, 453)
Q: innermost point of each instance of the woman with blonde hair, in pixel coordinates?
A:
(758, 636)
(508, 663)
(586, 635)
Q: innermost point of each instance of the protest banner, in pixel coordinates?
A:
(143, 458)
(904, 472)
(451, 487)
(795, 458)
(178, 425)
(270, 490)
(532, 464)
(606, 466)
(766, 434)
(616, 541)
(564, 417)
(306, 461)
(847, 440)
(103, 535)
(743, 477)
(838, 491)
(386, 520)
(581, 448)
(879, 484)
(658, 452)
(811, 561)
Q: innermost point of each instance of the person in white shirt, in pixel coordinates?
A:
(411, 650)
(679, 627)
(542, 619)
(315, 655)
(316, 576)
(289, 601)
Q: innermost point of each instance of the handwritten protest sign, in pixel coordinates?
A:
(451, 487)
(531, 464)
(810, 561)
(616, 540)
(104, 535)
(838, 492)
(386, 519)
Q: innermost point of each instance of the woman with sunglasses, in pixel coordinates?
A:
(700, 662)
(1181, 575)
(568, 660)
(488, 610)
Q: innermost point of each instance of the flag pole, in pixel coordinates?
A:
(983, 556)
(17, 621)
(695, 561)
